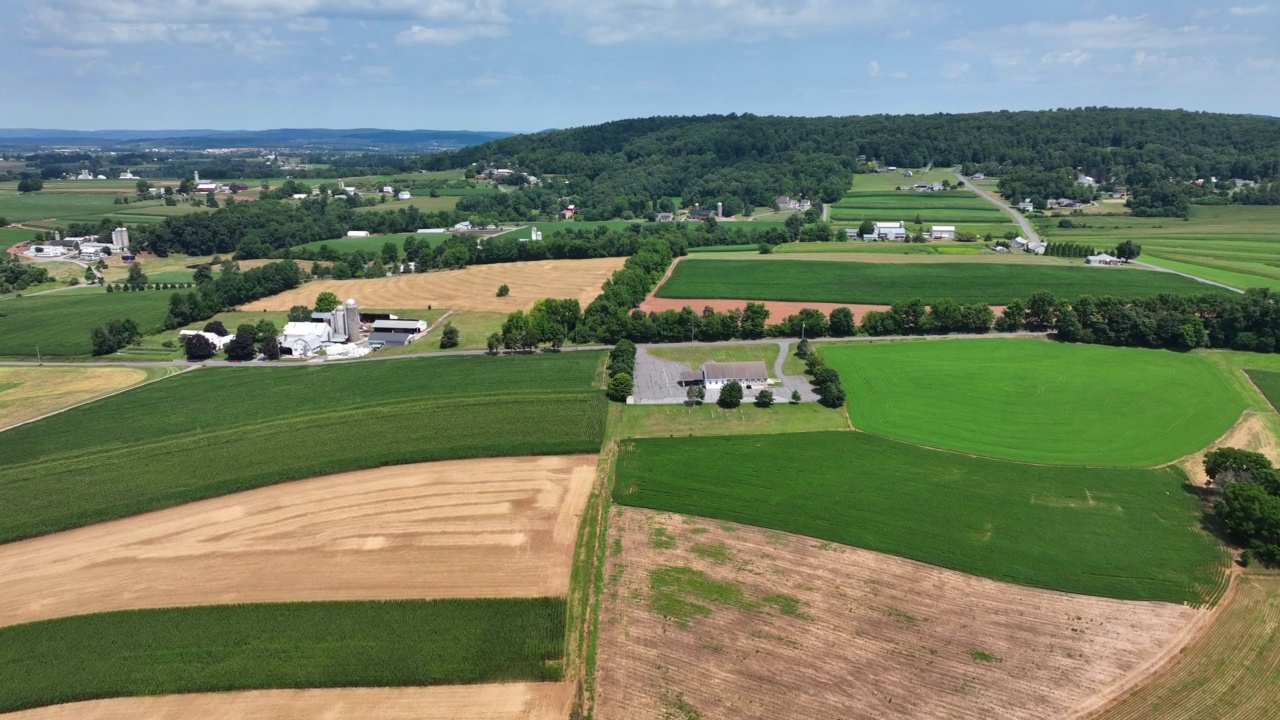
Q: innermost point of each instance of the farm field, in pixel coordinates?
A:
(1268, 382)
(1048, 527)
(29, 392)
(372, 243)
(425, 203)
(1038, 401)
(287, 645)
(730, 621)
(1245, 277)
(472, 288)
(637, 421)
(498, 701)
(549, 229)
(1231, 673)
(59, 323)
(496, 527)
(270, 425)
(34, 206)
(945, 249)
(10, 236)
(885, 283)
(1226, 232)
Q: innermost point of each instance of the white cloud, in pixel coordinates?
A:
(1076, 58)
(953, 70)
(608, 22)
(874, 70)
(1241, 11)
(375, 71)
(1260, 64)
(419, 35)
(308, 24)
(61, 52)
(1116, 32)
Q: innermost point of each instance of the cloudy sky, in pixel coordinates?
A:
(532, 64)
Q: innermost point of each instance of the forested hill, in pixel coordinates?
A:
(751, 158)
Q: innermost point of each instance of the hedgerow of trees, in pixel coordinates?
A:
(1249, 504)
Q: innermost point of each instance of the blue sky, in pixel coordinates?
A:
(533, 64)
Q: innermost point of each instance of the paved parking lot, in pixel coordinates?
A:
(657, 382)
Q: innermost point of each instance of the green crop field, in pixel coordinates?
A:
(1243, 279)
(286, 645)
(32, 206)
(1122, 533)
(1038, 401)
(884, 248)
(885, 283)
(926, 216)
(374, 243)
(154, 447)
(1241, 233)
(12, 236)
(59, 323)
(1269, 383)
(425, 203)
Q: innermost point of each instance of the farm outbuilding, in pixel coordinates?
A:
(1103, 259)
(304, 338)
(942, 232)
(396, 332)
(716, 375)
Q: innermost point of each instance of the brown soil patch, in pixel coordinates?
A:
(42, 390)
(511, 701)
(473, 288)
(832, 631)
(1249, 433)
(500, 527)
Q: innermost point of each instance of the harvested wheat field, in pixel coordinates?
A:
(465, 528)
(30, 392)
(473, 288)
(729, 621)
(1231, 673)
(508, 701)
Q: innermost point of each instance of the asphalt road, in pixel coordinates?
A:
(1028, 231)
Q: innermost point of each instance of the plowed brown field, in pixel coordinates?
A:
(468, 528)
(473, 288)
(512, 701)
(783, 626)
(29, 392)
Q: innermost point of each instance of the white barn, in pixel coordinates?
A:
(219, 341)
(357, 233)
(304, 338)
(943, 232)
(1102, 259)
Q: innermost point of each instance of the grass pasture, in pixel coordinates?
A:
(1240, 233)
(153, 447)
(1056, 528)
(58, 324)
(887, 283)
(1231, 673)
(10, 236)
(1237, 275)
(1038, 401)
(286, 645)
(373, 243)
(425, 203)
(642, 421)
(33, 206)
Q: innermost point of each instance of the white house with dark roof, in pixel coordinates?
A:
(748, 374)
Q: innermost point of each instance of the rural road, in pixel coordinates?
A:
(1027, 230)
(1197, 278)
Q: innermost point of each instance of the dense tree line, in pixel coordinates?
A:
(114, 335)
(16, 276)
(1249, 504)
(231, 288)
(745, 160)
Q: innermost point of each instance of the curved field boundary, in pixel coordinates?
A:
(499, 527)
(291, 645)
(1047, 527)
(41, 392)
(1231, 673)
(504, 701)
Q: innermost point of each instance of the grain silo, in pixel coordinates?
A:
(353, 320)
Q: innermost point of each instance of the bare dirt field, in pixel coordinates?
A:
(509, 701)
(467, 528)
(30, 392)
(473, 288)
(1232, 672)
(1250, 433)
(729, 621)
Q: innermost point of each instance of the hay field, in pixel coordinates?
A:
(473, 288)
(29, 392)
(730, 621)
(1231, 673)
(1038, 401)
(457, 529)
(498, 701)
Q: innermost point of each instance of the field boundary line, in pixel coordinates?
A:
(104, 396)
(1164, 662)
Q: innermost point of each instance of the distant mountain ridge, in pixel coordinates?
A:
(353, 138)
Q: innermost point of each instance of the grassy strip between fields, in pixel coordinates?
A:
(288, 645)
(886, 283)
(1038, 401)
(1127, 534)
(222, 430)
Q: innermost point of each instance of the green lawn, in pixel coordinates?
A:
(374, 243)
(1038, 401)
(425, 203)
(694, 356)
(286, 645)
(474, 328)
(885, 283)
(221, 430)
(1128, 534)
(59, 323)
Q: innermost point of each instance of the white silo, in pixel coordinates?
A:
(353, 319)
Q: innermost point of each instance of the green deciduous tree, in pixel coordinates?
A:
(764, 399)
(299, 313)
(730, 395)
(326, 302)
(199, 347)
(620, 387)
(241, 347)
(449, 336)
(503, 290)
